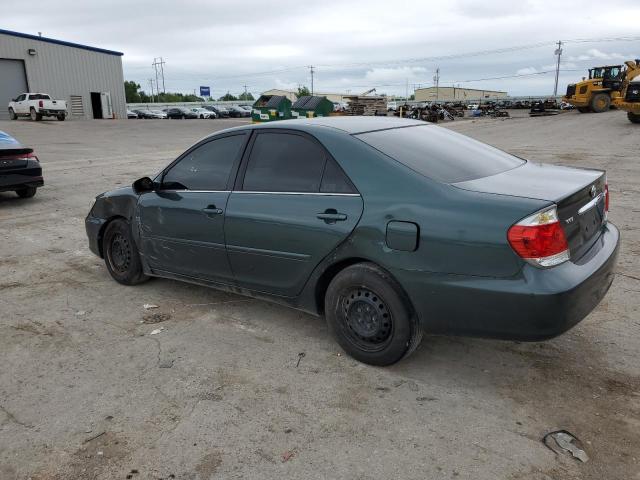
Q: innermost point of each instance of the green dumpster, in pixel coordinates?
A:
(271, 107)
(311, 106)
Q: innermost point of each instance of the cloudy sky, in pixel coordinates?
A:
(354, 45)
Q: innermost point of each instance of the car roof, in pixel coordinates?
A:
(348, 124)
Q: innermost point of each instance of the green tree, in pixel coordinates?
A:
(303, 92)
(412, 97)
(227, 97)
(131, 91)
(246, 96)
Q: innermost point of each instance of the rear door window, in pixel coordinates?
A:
(283, 162)
(334, 179)
(440, 154)
(206, 167)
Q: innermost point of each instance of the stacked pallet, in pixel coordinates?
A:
(364, 105)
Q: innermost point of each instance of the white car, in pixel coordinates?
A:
(36, 106)
(203, 113)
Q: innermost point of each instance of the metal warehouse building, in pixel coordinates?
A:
(451, 94)
(90, 79)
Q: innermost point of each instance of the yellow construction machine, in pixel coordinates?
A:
(598, 92)
(629, 99)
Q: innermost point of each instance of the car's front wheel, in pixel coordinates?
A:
(26, 192)
(370, 315)
(121, 254)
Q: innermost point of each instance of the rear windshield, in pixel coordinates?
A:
(441, 154)
(39, 96)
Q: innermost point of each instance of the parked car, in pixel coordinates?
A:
(20, 169)
(221, 112)
(180, 112)
(36, 106)
(144, 113)
(390, 227)
(237, 112)
(248, 108)
(131, 114)
(204, 113)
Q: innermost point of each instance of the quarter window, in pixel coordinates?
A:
(206, 167)
(282, 162)
(334, 180)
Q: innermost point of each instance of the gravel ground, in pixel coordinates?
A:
(87, 393)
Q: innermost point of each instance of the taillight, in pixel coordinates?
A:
(22, 156)
(539, 239)
(41, 104)
(606, 195)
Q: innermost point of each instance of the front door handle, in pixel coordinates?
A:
(212, 210)
(331, 215)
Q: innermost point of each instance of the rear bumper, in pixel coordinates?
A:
(16, 179)
(51, 113)
(535, 305)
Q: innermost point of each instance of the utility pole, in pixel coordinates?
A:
(558, 52)
(311, 70)
(436, 80)
(245, 92)
(159, 62)
(406, 92)
(155, 67)
(151, 86)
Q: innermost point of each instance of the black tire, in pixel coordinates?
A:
(633, 117)
(12, 114)
(584, 109)
(370, 316)
(600, 102)
(61, 117)
(36, 117)
(121, 254)
(26, 192)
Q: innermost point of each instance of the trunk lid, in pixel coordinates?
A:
(578, 193)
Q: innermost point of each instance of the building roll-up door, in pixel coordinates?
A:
(13, 82)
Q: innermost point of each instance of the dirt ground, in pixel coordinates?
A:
(87, 393)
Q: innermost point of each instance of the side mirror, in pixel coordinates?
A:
(143, 185)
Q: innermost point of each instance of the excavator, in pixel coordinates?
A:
(598, 92)
(629, 99)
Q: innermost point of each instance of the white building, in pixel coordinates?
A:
(90, 79)
(292, 95)
(454, 94)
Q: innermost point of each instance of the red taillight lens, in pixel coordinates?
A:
(539, 239)
(41, 104)
(606, 196)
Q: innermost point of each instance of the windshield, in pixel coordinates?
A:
(440, 154)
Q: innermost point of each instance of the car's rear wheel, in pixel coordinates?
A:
(26, 192)
(35, 116)
(370, 316)
(121, 254)
(61, 117)
(12, 114)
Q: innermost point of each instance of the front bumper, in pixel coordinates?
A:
(535, 305)
(94, 225)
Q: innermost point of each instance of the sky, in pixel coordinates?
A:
(392, 46)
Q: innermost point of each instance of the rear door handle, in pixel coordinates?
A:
(212, 210)
(331, 215)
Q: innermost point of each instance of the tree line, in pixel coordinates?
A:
(134, 94)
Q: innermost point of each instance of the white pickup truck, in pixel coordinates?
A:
(36, 106)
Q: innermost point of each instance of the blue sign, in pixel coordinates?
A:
(205, 91)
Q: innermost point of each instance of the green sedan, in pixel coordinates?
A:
(390, 228)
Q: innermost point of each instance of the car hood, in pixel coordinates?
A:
(534, 180)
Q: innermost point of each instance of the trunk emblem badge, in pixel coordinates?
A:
(592, 192)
